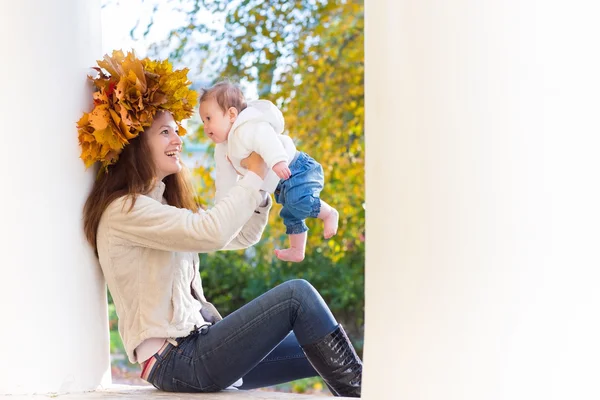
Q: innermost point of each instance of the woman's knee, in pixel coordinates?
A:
(300, 288)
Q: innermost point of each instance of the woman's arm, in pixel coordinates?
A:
(152, 224)
(253, 230)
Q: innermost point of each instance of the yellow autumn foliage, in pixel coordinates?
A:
(307, 56)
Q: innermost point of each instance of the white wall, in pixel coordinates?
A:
(54, 334)
(483, 220)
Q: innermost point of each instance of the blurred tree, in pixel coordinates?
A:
(307, 56)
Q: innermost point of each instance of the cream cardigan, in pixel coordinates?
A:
(149, 258)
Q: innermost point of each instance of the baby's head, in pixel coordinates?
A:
(219, 108)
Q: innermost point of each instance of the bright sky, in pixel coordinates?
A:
(120, 16)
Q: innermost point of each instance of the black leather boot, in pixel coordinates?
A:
(335, 359)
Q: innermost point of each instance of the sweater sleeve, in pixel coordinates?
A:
(154, 225)
(226, 176)
(262, 138)
(253, 229)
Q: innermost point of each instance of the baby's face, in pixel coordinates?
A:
(217, 123)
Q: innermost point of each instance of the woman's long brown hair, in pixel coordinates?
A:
(133, 174)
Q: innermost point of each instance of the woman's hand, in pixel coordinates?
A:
(255, 163)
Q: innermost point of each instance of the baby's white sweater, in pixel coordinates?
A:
(258, 128)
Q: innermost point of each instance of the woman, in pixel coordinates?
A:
(142, 220)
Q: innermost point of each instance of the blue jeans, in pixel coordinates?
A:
(287, 362)
(299, 194)
(253, 342)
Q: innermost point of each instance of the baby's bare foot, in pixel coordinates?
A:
(292, 254)
(330, 222)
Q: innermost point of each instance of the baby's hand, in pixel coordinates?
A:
(282, 170)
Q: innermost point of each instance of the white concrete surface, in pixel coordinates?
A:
(483, 211)
(54, 320)
(126, 392)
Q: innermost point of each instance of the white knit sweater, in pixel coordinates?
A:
(149, 258)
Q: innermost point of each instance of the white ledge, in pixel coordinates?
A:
(126, 392)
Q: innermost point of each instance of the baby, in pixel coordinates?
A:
(238, 128)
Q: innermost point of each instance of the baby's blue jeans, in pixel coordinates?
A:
(299, 194)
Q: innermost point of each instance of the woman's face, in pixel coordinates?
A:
(165, 144)
(217, 123)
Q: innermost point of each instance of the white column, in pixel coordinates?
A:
(54, 334)
(483, 201)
